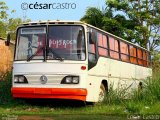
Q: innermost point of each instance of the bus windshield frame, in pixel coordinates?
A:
(46, 47)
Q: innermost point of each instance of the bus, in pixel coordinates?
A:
(74, 60)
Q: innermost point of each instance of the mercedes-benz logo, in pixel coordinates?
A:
(43, 79)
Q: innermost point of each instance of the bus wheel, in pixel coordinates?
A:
(102, 93)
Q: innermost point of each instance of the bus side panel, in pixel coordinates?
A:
(119, 75)
(95, 77)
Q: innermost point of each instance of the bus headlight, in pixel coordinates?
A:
(16, 79)
(75, 80)
(20, 79)
(70, 80)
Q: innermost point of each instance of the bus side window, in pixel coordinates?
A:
(124, 52)
(102, 45)
(145, 59)
(133, 54)
(100, 39)
(92, 49)
(114, 49)
(140, 57)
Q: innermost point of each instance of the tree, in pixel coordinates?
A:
(145, 15)
(7, 24)
(12, 25)
(3, 16)
(94, 16)
(3, 9)
(134, 20)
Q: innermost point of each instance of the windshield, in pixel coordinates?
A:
(67, 41)
(61, 43)
(30, 42)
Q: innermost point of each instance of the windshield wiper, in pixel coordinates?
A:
(29, 58)
(56, 55)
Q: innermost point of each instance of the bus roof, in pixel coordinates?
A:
(75, 22)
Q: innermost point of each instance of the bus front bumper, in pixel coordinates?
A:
(57, 93)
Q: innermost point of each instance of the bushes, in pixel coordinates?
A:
(152, 88)
(149, 95)
(114, 96)
(5, 87)
(150, 92)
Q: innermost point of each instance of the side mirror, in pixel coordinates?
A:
(8, 40)
(92, 38)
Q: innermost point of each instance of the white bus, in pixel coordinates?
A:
(74, 60)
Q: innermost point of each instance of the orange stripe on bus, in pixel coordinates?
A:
(60, 93)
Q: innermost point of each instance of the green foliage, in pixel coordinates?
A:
(152, 88)
(114, 96)
(133, 107)
(93, 16)
(5, 89)
(3, 8)
(2, 29)
(156, 62)
(149, 95)
(7, 24)
(136, 100)
(3, 17)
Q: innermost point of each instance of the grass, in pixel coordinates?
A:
(144, 102)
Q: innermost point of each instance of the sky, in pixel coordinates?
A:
(76, 9)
